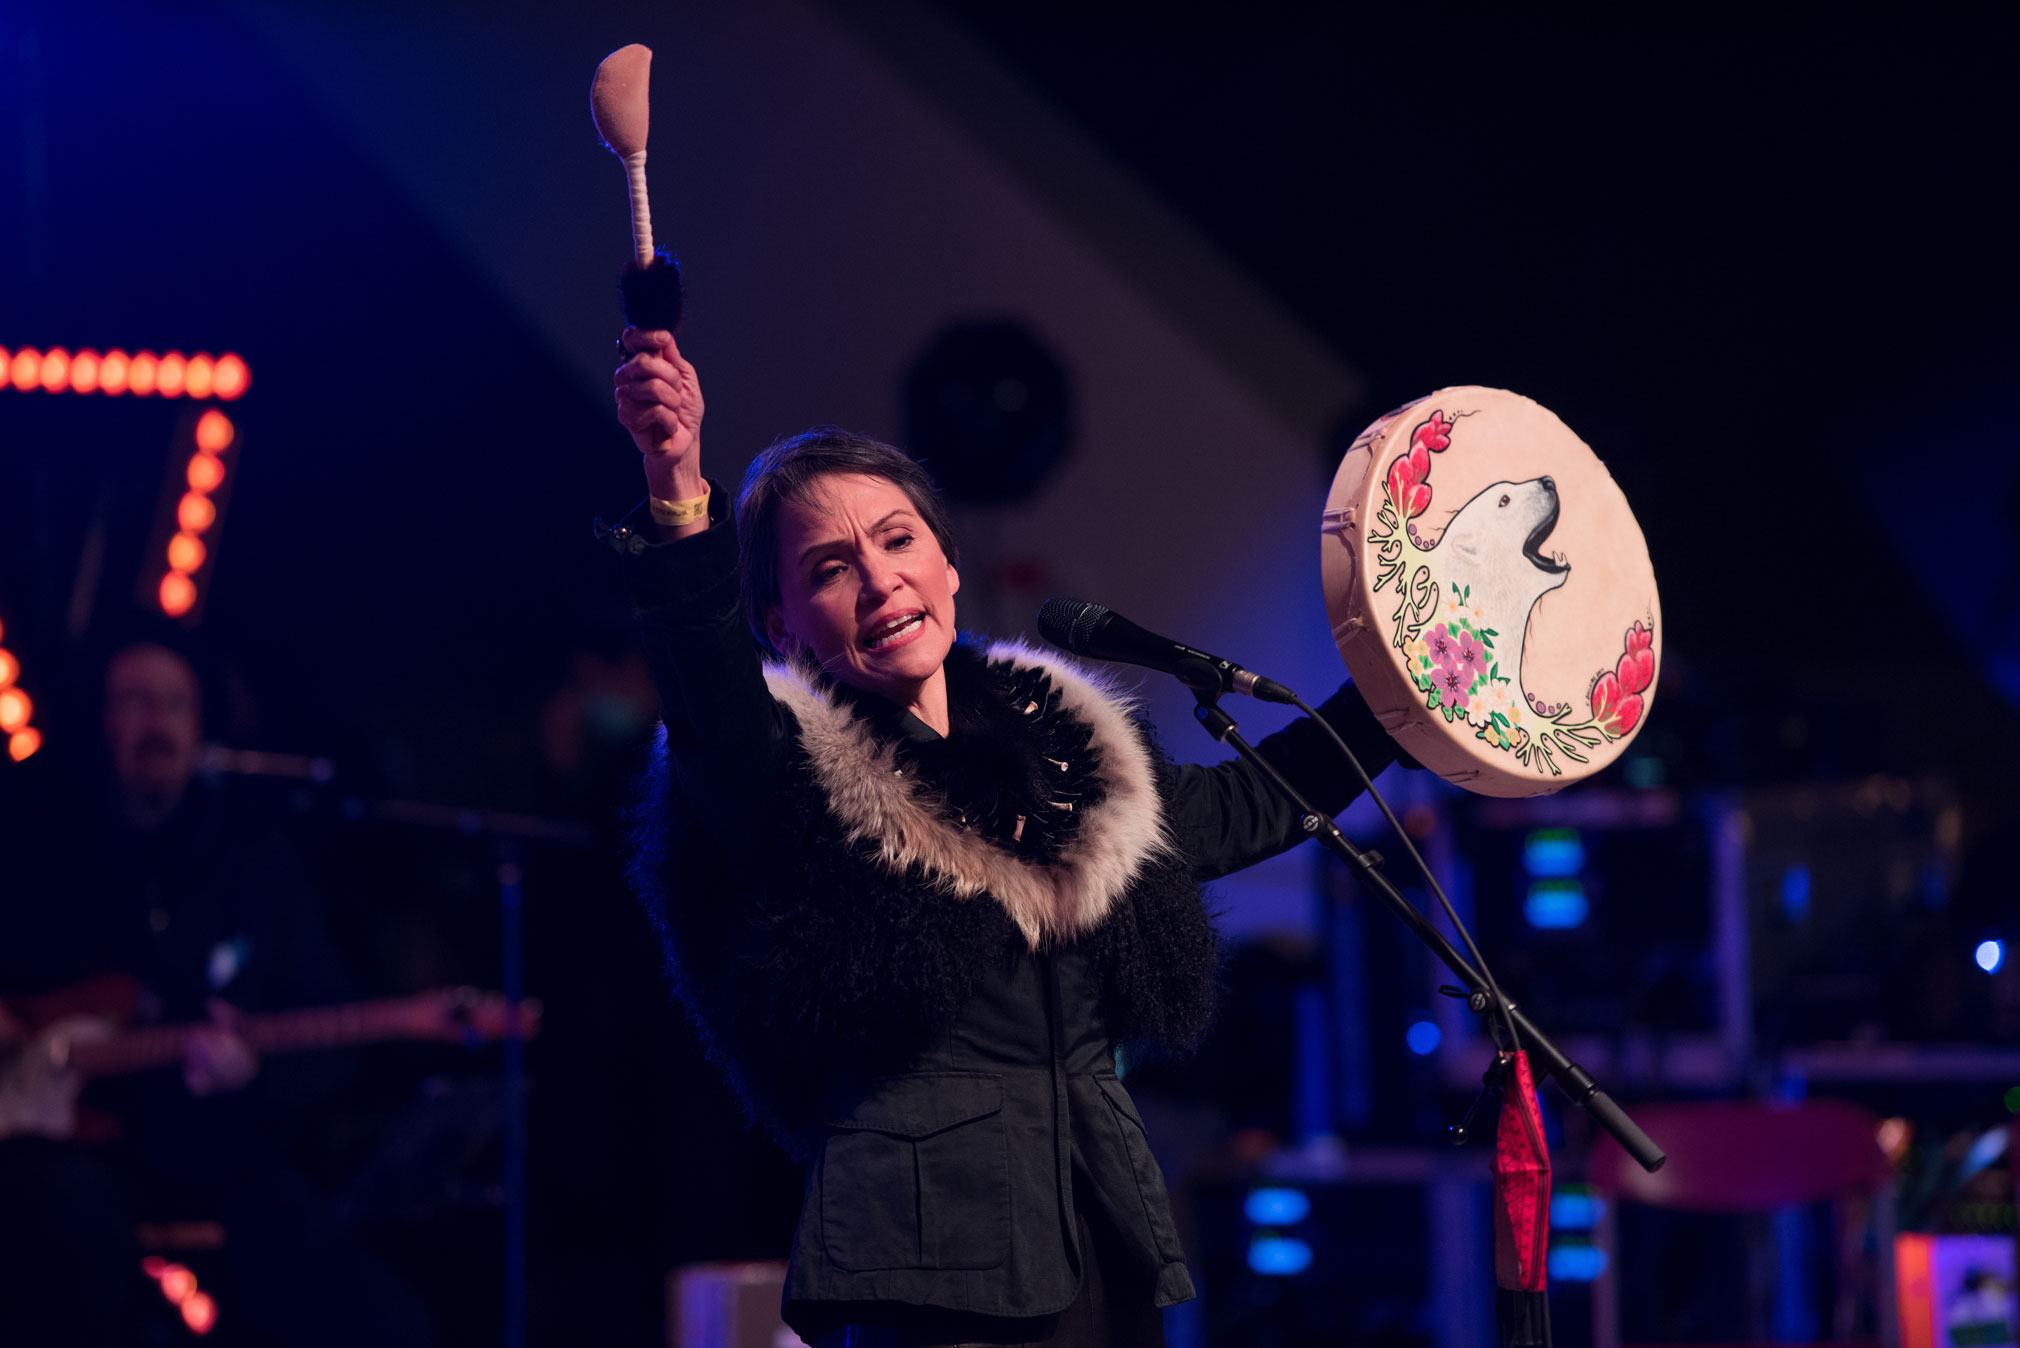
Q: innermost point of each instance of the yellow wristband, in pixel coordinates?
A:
(676, 513)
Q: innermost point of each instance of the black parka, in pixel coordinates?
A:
(944, 1061)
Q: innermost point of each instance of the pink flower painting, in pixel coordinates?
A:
(1455, 687)
(1470, 655)
(1443, 647)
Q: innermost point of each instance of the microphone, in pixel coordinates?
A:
(1100, 634)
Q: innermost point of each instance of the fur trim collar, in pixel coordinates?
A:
(908, 825)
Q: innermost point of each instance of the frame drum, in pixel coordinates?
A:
(1491, 592)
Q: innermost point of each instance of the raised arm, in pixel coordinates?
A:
(725, 736)
(659, 402)
(1229, 815)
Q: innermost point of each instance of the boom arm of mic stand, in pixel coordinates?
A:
(1545, 1057)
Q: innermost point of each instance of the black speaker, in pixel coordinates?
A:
(988, 411)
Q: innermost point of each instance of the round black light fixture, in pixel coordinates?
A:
(987, 411)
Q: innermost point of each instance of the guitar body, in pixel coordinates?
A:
(90, 1029)
(37, 1094)
(115, 998)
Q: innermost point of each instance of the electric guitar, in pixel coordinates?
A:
(85, 1031)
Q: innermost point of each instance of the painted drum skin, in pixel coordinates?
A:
(1491, 592)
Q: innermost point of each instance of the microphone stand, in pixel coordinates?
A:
(1546, 1058)
(1550, 1061)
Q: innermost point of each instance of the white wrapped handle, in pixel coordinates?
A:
(641, 208)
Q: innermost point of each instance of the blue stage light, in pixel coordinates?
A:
(1278, 1256)
(1991, 954)
(1556, 905)
(1276, 1207)
(1577, 1263)
(1576, 1210)
(1796, 892)
(1553, 853)
(1422, 1038)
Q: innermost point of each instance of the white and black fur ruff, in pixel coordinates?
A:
(848, 947)
(912, 823)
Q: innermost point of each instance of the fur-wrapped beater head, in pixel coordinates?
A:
(654, 296)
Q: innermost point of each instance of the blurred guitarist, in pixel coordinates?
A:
(150, 871)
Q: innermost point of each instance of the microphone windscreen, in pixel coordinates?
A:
(1069, 622)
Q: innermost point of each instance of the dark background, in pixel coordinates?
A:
(1766, 263)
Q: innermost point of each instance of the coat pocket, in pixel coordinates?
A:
(917, 1175)
(1157, 1219)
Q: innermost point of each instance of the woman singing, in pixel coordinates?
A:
(917, 890)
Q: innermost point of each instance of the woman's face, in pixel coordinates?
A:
(864, 588)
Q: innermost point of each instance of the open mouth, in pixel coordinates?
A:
(1554, 564)
(893, 632)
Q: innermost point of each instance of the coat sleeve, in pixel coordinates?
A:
(726, 738)
(1229, 815)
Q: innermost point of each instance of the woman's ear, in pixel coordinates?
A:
(775, 629)
(953, 579)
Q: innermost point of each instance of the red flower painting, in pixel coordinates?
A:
(1409, 475)
(1407, 487)
(1433, 434)
(1617, 695)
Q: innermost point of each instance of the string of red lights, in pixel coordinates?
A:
(145, 374)
(17, 709)
(196, 513)
(179, 1288)
(174, 375)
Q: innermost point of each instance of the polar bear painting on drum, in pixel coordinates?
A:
(1488, 553)
(1471, 641)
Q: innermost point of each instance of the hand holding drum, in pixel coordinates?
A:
(1491, 592)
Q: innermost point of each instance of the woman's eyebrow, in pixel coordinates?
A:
(812, 548)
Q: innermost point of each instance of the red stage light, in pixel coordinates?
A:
(195, 513)
(177, 1283)
(199, 1312)
(196, 380)
(204, 472)
(178, 594)
(168, 378)
(23, 742)
(214, 432)
(231, 377)
(55, 369)
(174, 375)
(185, 554)
(154, 1266)
(15, 709)
(84, 371)
(10, 668)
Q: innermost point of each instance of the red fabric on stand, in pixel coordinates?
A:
(1521, 1183)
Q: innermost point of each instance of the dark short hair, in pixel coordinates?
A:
(787, 470)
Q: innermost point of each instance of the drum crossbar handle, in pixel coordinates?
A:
(1545, 1057)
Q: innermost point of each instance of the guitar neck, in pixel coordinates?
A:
(140, 1050)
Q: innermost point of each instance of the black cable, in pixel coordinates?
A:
(1501, 1004)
